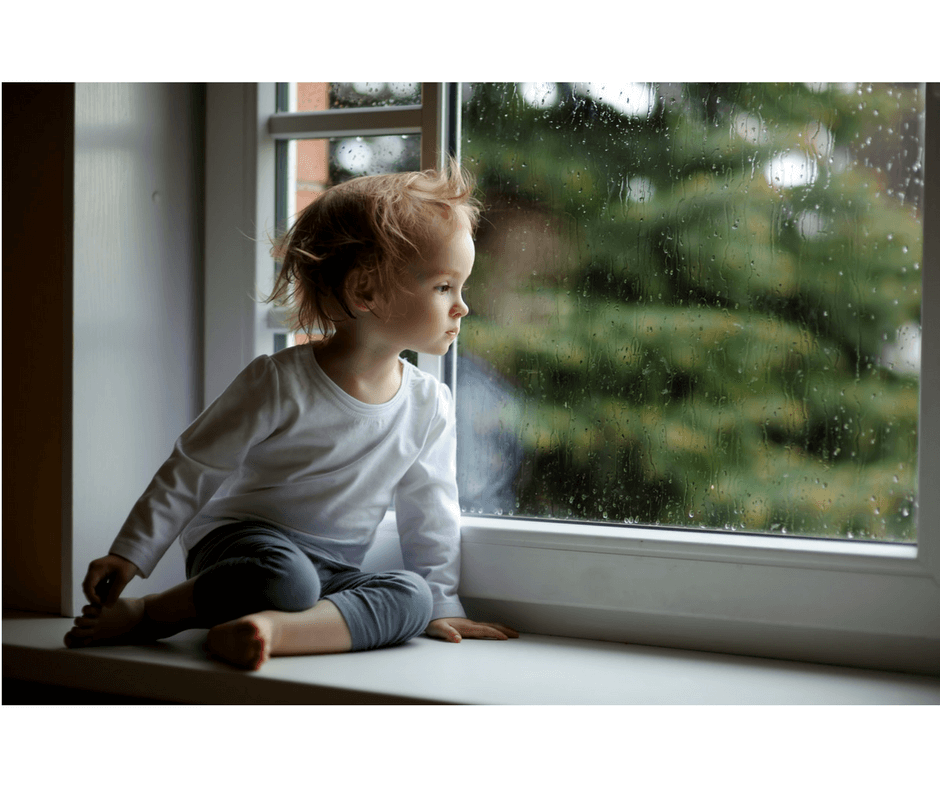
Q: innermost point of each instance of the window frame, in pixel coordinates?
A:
(853, 603)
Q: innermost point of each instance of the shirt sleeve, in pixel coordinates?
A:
(427, 511)
(210, 449)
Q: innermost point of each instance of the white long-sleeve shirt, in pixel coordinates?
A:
(285, 445)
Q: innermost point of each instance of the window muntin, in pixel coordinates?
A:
(695, 305)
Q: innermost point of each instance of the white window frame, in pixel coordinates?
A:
(842, 602)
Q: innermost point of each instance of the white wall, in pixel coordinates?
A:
(138, 248)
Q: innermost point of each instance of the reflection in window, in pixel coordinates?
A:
(695, 304)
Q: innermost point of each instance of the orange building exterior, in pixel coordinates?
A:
(312, 155)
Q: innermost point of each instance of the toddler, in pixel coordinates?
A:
(277, 489)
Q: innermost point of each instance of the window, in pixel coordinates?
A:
(858, 602)
(696, 305)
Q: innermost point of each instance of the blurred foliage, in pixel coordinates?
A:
(694, 334)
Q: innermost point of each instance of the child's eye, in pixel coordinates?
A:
(443, 288)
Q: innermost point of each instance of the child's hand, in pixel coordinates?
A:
(107, 578)
(455, 629)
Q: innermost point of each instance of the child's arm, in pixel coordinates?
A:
(207, 452)
(428, 514)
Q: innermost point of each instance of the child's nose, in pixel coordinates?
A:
(461, 309)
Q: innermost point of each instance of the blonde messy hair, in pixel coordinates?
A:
(373, 226)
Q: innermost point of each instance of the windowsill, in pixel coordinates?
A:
(865, 605)
(535, 669)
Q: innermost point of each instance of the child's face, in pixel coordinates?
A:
(427, 319)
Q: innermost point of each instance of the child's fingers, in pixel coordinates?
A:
(91, 584)
(115, 587)
(451, 634)
(482, 632)
(104, 590)
(443, 631)
(488, 631)
(119, 578)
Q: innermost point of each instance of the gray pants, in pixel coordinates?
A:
(247, 567)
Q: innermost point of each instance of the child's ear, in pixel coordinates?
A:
(360, 290)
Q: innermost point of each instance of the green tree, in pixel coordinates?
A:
(694, 301)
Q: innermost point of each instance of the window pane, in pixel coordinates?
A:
(313, 96)
(695, 305)
(314, 165)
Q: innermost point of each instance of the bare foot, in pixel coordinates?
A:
(124, 623)
(250, 640)
(245, 642)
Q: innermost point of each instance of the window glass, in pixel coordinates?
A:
(695, 305)
(314, 96)
(314, 165)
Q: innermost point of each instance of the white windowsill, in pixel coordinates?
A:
(814, 600)
(570, 583)
(535, 669)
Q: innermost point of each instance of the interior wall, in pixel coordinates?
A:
(138, 293)
(38, 134)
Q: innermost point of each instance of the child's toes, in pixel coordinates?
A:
(74, 639)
